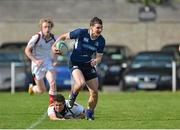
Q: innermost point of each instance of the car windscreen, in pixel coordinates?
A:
(154, 61)
(114, 53)
(10, 57)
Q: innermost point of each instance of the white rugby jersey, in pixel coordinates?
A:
(74, 111)
(42, 49)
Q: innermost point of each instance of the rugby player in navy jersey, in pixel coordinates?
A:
(82, 63)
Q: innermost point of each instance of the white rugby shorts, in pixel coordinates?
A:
(40, 71)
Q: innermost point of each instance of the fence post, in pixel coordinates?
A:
(12, 77)
(173, 76)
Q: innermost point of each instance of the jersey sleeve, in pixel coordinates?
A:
(77, 109)
(100, 48)
(56, 37)
(33, 40)
(75, 33)
(50, 110)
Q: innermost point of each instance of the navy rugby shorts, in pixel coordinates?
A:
(89, 72)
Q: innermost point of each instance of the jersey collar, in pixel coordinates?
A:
(43, 37)
(89, 31)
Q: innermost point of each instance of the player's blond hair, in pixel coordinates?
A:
(47, 20)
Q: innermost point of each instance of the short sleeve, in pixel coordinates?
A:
(75, 34)
(33, 40)
(50, 110)
(56, 37)
(100, 48)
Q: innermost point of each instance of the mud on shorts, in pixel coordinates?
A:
(89, 72)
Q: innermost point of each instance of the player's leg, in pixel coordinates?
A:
(38, 88)
(50, 76)
(93, 97)
(38, 77)
(79, 83)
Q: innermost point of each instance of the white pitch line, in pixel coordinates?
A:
(40, 119)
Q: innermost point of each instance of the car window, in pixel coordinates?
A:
(10, 57)
(13, 45)
(114, 53)
(152, 61)
(173, 48)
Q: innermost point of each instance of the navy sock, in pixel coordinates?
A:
(74, 95)
(89, 113)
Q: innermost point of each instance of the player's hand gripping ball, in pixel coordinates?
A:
(62, 47)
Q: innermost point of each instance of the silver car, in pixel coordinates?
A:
(22, 68)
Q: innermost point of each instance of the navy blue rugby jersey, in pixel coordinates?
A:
(84, 46)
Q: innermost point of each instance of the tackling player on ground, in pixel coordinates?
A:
(58, 110)
(38, 50)
(87, 43)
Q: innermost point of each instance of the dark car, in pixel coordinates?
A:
(13, 45)
(150, 71)
(174, 47)
(114, 62)
(171, 47)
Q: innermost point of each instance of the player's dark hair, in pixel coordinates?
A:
(95, 20)
(59, 98)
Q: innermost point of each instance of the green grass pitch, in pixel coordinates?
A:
(114, 111)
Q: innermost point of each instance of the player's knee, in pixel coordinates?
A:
(94, 95)
(52, 84)
(80, 83)
(42, 90)
(94, 90)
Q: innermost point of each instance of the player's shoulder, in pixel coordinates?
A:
(102, 38)
(81, 30)
(37, 35)
(51, 107)
(84, 30)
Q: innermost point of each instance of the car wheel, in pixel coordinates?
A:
(124, 88)
(122, 85)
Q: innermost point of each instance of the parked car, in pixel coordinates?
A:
(13, 45)
(14, 52)
(173, 47)
(114, 62)
(63, 75)
(150, 71)
(22, 75)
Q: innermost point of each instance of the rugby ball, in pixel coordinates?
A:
(61, 45)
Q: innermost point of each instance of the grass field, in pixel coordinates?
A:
(114, 110)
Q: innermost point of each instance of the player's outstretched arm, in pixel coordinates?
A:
(63, 37)
(53, 117)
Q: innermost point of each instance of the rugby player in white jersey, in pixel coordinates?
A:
(38, 50)
(58, 110)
